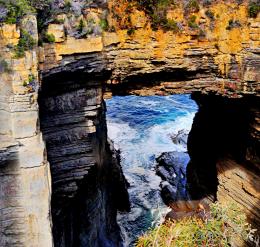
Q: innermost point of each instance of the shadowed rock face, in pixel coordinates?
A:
(86, 176)
(225, 134)
(224, 150)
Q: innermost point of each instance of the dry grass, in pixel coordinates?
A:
(219, 228)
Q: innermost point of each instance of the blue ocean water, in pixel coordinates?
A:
(141, 127)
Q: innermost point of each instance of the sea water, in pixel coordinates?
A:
(141, 128)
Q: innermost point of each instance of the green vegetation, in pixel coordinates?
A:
(39, 4)
(104, 24)
(192, 22)
(233, 24)
(157, 10)
(81, 25)
(16, 9)
(172, 25)
(131, 31)
(217, 228)
(67, 5)
(210, 15)
(4, 66)
(31, 79)
(59, 21)
(253, 9)
(49, 38)
(193, 6)
(26, 43)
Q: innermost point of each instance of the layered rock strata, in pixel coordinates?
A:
(25, 180)
(87, 178)
(74, 70)
(223, 148)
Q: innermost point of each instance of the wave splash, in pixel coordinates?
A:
(142, 127)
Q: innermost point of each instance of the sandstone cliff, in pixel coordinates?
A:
(210, 54)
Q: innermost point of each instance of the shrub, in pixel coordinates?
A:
(192, 22)
(16, 9)
(156, 10)
(104, 24)
(233, 24)
(219, 227)
(210, 15)
(49, 38)
(39, 4)
(67, 5)
(26, 43)
(59, 21)
(193, 5)
(253, 9)
(172, 25)
(81, 26)
(130, 31)
(30, 81)
(4, 66)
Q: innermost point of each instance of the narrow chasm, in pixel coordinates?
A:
(151, 135)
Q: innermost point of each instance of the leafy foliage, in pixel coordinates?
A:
(218, 228)
(31, 79)
(192, 22)
(16, 9)
(157, 10)
(81, 26)
(253, 9)
(4, 66)
(210, 15)
(131, 31)
(193, 6)
(39, 4)
(49, 38)
(26, 43)
(233, 24)
(172, 25)
(104, 24)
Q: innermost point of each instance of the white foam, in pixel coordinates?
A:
(137, 148)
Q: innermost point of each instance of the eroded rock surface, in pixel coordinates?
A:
(74, 71)
(25, 180)
(221, 143)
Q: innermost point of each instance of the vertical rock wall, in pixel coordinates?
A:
(223, 145)
(25, 181)
(86, 178)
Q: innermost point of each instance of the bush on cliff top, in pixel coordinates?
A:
(253, 9)
(157, 11)
(15, 9)
(218, 228)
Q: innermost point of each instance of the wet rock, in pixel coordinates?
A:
(181, 137)
(172, 169)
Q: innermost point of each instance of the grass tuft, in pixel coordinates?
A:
(219, 228)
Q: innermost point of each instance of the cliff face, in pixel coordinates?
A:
(68, 144)
(214, 55)
(70, 134)
(86, 175)
(25, 180)
(224, 152)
